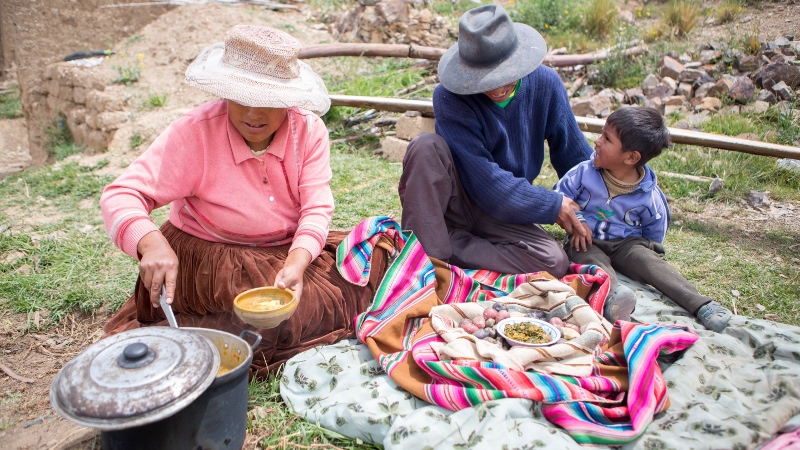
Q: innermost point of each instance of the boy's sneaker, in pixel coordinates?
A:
(714, 316)
(619, 305)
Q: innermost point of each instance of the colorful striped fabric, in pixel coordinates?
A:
(613, 406)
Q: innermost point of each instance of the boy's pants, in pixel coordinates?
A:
(451, 227)
(640, 259)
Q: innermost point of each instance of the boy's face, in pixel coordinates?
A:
(608, 151)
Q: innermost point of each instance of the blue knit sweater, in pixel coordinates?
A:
(498, 152)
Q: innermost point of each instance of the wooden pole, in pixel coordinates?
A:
(433, 54)
(356, 49)
(590, 125)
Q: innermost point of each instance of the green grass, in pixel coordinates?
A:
(127, 75)
(65, 263)
(58, 140)
(378, 77)
(599, 17)
(363, 186)
(156, 100)
(10, 105)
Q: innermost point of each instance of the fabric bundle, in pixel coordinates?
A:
(591, 405)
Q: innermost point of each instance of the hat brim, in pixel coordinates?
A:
(209, 73)
(461, 78)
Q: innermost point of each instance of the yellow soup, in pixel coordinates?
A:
(260, 304)
(223, 370)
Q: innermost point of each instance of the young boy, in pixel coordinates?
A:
(626, 216)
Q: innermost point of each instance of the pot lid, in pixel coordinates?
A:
(135, 378)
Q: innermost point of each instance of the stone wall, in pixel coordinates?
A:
(392, 22)
(42, 32)
(93, 110)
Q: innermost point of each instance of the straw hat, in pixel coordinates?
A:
(258, 67)
(492, 51)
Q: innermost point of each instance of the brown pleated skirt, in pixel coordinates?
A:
(211, 275)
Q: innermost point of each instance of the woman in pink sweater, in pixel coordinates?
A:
(247, 180)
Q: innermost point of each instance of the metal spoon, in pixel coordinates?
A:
(167, 308)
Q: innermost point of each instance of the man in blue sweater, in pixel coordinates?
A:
(466, 191)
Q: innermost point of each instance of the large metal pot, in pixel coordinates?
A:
(159, 388)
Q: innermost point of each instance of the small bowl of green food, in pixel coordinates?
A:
(528, 332)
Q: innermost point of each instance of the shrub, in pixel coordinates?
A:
(127, 74)
(728, 10)
(545, 15)
(156, 100)
(681, 16)
(599, 17)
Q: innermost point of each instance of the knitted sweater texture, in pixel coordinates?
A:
(498, 152)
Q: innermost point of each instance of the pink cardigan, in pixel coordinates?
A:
(220, 191)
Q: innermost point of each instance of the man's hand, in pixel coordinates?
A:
(159, 265)
(568, 220)
(581, 243)
(291, 276)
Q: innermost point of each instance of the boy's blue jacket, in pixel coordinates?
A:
(643, 212)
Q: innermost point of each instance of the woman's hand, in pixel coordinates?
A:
(291, 276)
(159, 265)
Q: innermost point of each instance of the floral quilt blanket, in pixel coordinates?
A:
(728, 390)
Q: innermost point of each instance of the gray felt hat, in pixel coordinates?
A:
(491, 51)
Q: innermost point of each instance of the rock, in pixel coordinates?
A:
(670, 109)
(615, 95)
(705, 78)
(709, 56)
(788, 164)
(781, 41)
(742, 90)
(702, 90)
(757, 107)
(685, 89)
(649, 83)
(656, 104)
(733, 109)
(747, 63)
(782, 91)
(626, 16)
(632, 95)
(410, 127)
(111, 120)
(695, 120)
(690, 75)
(774, 73)
(709, 104)
(597, 106)
(393, 149)
(685, 58)
(693, 65)
(675, 100)
(670, 82)
(721, 87)
(661, 90)
(765, 95)
(669, 67)
(759, 199)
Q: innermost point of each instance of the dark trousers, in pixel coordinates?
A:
(452, 228)
(640, 259)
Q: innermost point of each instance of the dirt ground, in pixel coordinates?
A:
(30, 359)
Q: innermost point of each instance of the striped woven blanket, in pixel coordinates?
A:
(613, 405)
